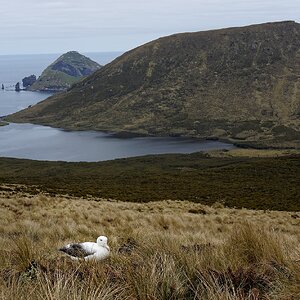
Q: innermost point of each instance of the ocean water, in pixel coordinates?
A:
(15, 67)
(47, 143)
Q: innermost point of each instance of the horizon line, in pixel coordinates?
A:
(52, 53)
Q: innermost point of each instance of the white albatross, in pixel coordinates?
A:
(88, 250)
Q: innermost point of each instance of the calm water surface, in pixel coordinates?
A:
(11, 101)
(46, 143)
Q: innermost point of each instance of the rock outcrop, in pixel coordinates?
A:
(17, 87)
(28, 81)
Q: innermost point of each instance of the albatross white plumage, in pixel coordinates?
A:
(88, 250)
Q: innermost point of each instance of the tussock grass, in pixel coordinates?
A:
(160, 250)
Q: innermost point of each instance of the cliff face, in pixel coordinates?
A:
(28, 81)
(241, 84)
(65, 71)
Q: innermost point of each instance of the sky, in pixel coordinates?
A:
(57, 26)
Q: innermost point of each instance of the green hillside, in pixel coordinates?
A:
(238, 84)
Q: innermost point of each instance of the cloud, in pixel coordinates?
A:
(106, 21)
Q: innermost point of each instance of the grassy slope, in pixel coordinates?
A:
(257, 183)
(238, 83)
(57, 79)
(178, 250)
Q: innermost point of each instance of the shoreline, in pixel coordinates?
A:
(119, 133)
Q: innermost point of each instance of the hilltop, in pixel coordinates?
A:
(238, 84)
(65, 71)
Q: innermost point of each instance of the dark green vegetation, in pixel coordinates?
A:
(65, 71)
(239, 84)
(256, 183)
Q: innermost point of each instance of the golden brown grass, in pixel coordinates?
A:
(173, 250)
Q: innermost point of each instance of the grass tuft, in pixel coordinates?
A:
(160, 250)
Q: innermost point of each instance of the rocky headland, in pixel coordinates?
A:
(68, 69)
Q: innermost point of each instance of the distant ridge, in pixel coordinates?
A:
(65, 71)
(240, 84)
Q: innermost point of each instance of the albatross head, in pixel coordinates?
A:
(102, 241)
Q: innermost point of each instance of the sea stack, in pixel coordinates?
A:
(17, 87)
